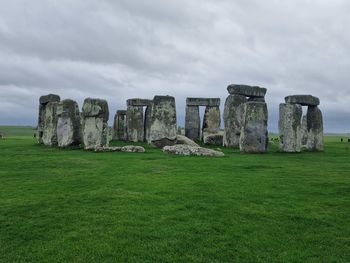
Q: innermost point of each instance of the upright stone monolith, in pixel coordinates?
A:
(49, 132)
(43, 101)
(68, 124)
(192, 123)
(135, 124)
(211, 121)
(303, 131)
(119, 126)
(95, 127)
(290, 127)
(254, 135)
(314, 129)
(163, 125)
(233, 116)
(147, 125)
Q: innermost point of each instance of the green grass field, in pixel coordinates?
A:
(75, 206)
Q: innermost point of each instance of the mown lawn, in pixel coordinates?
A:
(75, 206)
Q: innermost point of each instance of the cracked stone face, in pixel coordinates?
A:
(192, 123)
(135, 124)
(290, 127)
(314, 129)
(49, 132)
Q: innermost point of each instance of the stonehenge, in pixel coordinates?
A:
(68, 123)
(94, 124)
(119, 126)
(211, 119)
(245, 118)
(299, 132)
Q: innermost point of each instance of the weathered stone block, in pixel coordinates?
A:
(290, 127)
(192, 123)
(233, 116)
(135, 124)
(314, 129)
(304, 100)
(163, 124)
(187, 150)
(138, 102)
(68, 123)
(246, 90)
(96, 108)
(212, 102)
(254, 135)
(49, 132)
(119, 126)
(211, 121)
(304, 131)
(213, 139)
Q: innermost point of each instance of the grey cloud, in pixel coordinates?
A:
(132, 48)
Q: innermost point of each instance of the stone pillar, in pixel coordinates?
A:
(49, 132)
(95, 127)
(192, 123)
(304, 131)
(135, 124)
(233, 115)
(43, 101)
(211, 120)
(68, 123)
(254, 135)
(290, 127)
(147, 128)
(314, 129)
(163, 125)
(119, 126)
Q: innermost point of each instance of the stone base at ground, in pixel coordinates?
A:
(187, 150)
(180, 139)
(132, 149)
(213, 139)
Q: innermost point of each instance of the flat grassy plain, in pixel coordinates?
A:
(75, 206)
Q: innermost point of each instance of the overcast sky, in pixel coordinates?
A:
(185, 48)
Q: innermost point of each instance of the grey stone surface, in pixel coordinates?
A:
(213, 139)
(187, 150)
(180, 139)
(43, 101)
(119, 126)
(246, 90)
(68, 123)
(49, 131)
(163, 124)
(254, 135)
(211, 121)
(314, 129)
(147, 123)
(203, 102)
(94, 125)
(233, 116)
(130, 149)
(135, 124)
(138, 102)
(192, 123)
(290, 127)
(304, 100)
(304, 131)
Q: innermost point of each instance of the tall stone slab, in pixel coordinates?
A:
(233, 117)
(95, 127)
(43, 101)
(304, 131)
(163, 125)
(192, 123)
(119, 126)
(135, 124)
(49, 132)
(314, 129)
(290, 127)
(68, 124)
(254, 135)
(211, 121)
(147, 128)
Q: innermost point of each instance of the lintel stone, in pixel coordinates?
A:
(138, 102)
(246, 90)
(304, 100)
(211, 102)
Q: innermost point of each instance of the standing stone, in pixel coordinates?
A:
(211, 121)
(304, 131)
(163, 126)
(49, 132)
(148, 116)
(290, 127)
(119, 126)
(192, 123)
(314, 129)
(135, 124)
(95, 127)
(68, 123)
(233, 116)
(254, 135)
(43, 101)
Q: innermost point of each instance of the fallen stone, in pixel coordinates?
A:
(213, 139)
(164, 142)
(212, 102)
(290, 127)
(133, 149)
(180, 139)
(246, 90)
(108, 149)
(233, 116)
(187, 150)
(304, 100)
